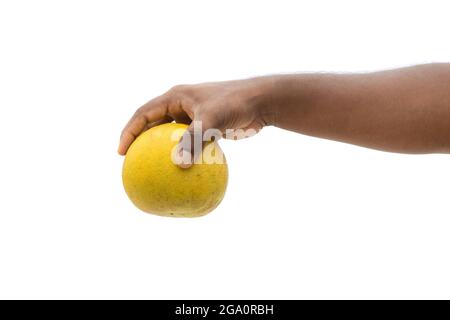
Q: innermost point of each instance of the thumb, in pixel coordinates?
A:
(193, 140)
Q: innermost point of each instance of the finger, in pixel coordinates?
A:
(194, 139)
(166, 119)
(243, 133)
(152, 111)
(182, 118)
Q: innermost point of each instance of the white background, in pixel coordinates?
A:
(302, 217)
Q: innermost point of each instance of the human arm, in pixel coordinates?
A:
(404, 110)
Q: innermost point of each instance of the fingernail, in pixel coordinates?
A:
(185, 165)
(183, 159)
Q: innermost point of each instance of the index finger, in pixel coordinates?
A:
(152, 111)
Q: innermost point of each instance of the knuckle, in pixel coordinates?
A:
(182, 89)
(179, 88)
(137, 113)
(141, 110)
(138, 116)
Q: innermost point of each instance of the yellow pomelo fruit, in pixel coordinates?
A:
(155, 184)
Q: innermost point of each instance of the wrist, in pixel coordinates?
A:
(285, 97)
(261, 98)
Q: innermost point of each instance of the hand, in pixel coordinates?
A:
(221, 105)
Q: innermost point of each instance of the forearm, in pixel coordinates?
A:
(404, 110)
